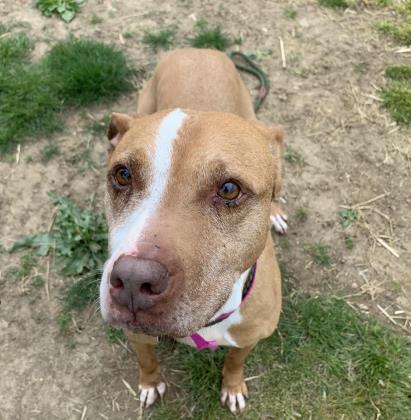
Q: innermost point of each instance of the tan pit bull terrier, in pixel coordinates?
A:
(190, 188)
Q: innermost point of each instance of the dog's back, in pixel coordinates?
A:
(203, 80)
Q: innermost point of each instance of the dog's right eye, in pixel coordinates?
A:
(122, 176)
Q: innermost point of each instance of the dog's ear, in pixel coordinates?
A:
(275, 136)
(119, 125)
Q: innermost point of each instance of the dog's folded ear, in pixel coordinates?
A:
(119, 125)
(275, 136)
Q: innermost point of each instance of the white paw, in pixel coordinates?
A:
(148, 394)
(279, 221)
(234, 401)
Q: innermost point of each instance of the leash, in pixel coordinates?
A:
(250, 67)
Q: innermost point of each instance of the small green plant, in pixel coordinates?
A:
(320, 253)
(301, 214)
(86, 71)
(78, 238)
(114, 335)
(98, 127)
(162, 39)
(397, 100)
(49, 151)
(14, 48)
(128, 35)
(349, 243)
(348, 216)
(400, 33)
(399, 73)
(25, 268)
(293, 156)
(290, 13)
(95, 20)
(334, 4)
(37, 282)
(66, 9)
(207, 37)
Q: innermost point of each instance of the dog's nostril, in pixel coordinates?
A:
(117, 283)
(146, 289)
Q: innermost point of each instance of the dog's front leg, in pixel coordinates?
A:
(234, 389)
(150, 384)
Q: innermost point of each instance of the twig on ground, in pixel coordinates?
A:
(282, 52)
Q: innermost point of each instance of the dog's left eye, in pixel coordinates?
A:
(229, 191)
(122, 176)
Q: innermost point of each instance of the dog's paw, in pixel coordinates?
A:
(149, 394)
(279, 222)
(234, 398)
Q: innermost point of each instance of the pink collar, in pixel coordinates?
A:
(199, 342)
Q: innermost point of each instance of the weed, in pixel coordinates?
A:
(114, 335)
(326, 362)
(128, 35)
(400, 33)
(66, 9)
(161, 39)
(258, 55)
(78, 238)
(25, 268)
(14, 48)
(95, 20)
(349, 243)
(301, 214)
(335, 4)
(290, 13)
(37, 282)
(293, 156)
(399, 73)
(320, 253)
(207, 37)
(49, 151)
(99, 127)
(86, 71)
(397, 100)
(348, 216)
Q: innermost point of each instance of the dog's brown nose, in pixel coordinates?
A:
(138, 283)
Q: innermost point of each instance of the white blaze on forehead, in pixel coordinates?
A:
(132, 227)
(125, 236)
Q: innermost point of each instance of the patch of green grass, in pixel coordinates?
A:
(49, 151)
(290, 13)
(400, 33)
(397, 100)
(162, 39)
(326, 362)
(66, 9)
(95, 20)
(320, 253)
(14, 48)
(349, 243)
(348, 216)
(128, 35)
(334, 4)
(24, 269)
(301, 214)
(87, 71)
(98, 127)
(114, 335)
(293, 156)
(207, 37)
(37, 282)
(399, 73)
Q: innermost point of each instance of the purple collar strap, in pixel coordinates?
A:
(199, 342)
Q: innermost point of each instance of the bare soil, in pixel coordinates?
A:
(327, 100)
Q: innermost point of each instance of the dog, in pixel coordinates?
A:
(191, 182)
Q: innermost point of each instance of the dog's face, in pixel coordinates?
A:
(187, 204)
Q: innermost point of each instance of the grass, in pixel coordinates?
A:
(397, 100)
(162, 39)
(399, 33)
(301, 214)
(290, 13)
(66, 9)
(114, 335)
(326, 362)
(207, 37)
(348, 216)
(335, 4)
(349, 243)
(49, 151)
(293, 156)
(98, 127)
(75, 72)
(399, 73)
(320, 253)
(87, 71)
(25, 268)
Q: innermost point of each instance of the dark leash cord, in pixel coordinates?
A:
(250, 67)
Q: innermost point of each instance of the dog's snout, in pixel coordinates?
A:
(138, 283)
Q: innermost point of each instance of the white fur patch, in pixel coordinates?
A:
(220, 331)
(125, 236)
(279, 221)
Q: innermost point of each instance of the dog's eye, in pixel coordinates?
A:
(122, 176)
(229, 191)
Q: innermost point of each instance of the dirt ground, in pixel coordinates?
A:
(327, 100)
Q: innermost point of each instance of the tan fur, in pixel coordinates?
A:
(207, 86)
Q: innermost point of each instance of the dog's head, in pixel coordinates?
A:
(187, 204)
